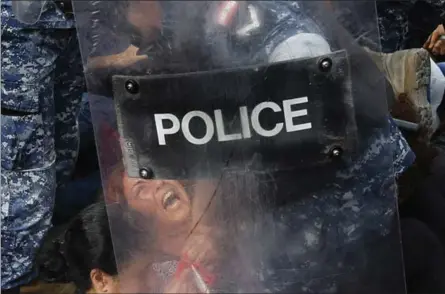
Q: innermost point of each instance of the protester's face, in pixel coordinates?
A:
(165, 201)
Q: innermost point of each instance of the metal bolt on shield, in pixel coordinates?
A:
(325, 64)
(131, 86)
(146, 173)
(336, 152)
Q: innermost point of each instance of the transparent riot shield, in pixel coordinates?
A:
(248, 144)
(28, 11)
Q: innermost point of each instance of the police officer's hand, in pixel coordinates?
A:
(435, 43)
(99, 70)
(126, 59)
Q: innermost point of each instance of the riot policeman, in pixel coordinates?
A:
(42, 83)
(277, 91)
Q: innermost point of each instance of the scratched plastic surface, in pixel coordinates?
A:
(203, 115)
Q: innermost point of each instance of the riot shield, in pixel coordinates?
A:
(27, 11)
(248, 144)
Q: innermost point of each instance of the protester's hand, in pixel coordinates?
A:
(195, 272)
(434, 43)
(201, 247)
(185, 282)
(199, 258)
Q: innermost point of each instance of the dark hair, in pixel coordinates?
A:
(86, 244)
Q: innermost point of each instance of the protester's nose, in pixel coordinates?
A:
(150, 188)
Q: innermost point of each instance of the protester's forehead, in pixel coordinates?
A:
(191, 182)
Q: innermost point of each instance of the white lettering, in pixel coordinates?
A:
(222, 136)
(210, 130)
(289, 115)
(256, 122)
(244, 117)
(161, 131)
(245, 123)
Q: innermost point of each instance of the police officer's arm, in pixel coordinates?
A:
(100, 69)
(124, 59)
(302, 45)
(115, 54)
(144, 17)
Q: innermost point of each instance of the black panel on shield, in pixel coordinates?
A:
(287, 115)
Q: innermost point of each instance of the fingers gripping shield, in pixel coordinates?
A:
(247, 143)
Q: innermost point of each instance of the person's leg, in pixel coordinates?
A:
(423, 257)
(87, 162)
(77, 194)
(11, 291)
(428, 202)
(28, 151)
(437, 171)
(409, 73)
(70, 85)
(68, 90)
(82, 189)
(423, 260)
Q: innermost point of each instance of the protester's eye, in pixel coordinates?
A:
(138, 191)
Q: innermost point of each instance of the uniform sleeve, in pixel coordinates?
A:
(432, 11)
(302, 45)
(105, 42)
(305, 45)
(101, 28)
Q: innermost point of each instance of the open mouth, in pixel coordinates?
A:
(170, 199)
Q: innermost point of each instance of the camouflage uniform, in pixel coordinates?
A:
(42, 83)
(394, 24)
(359, 202)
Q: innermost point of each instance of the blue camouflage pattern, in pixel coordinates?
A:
(42, 84)
(314, 236)
(319, 232)
(334, 221)
(393, 22)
